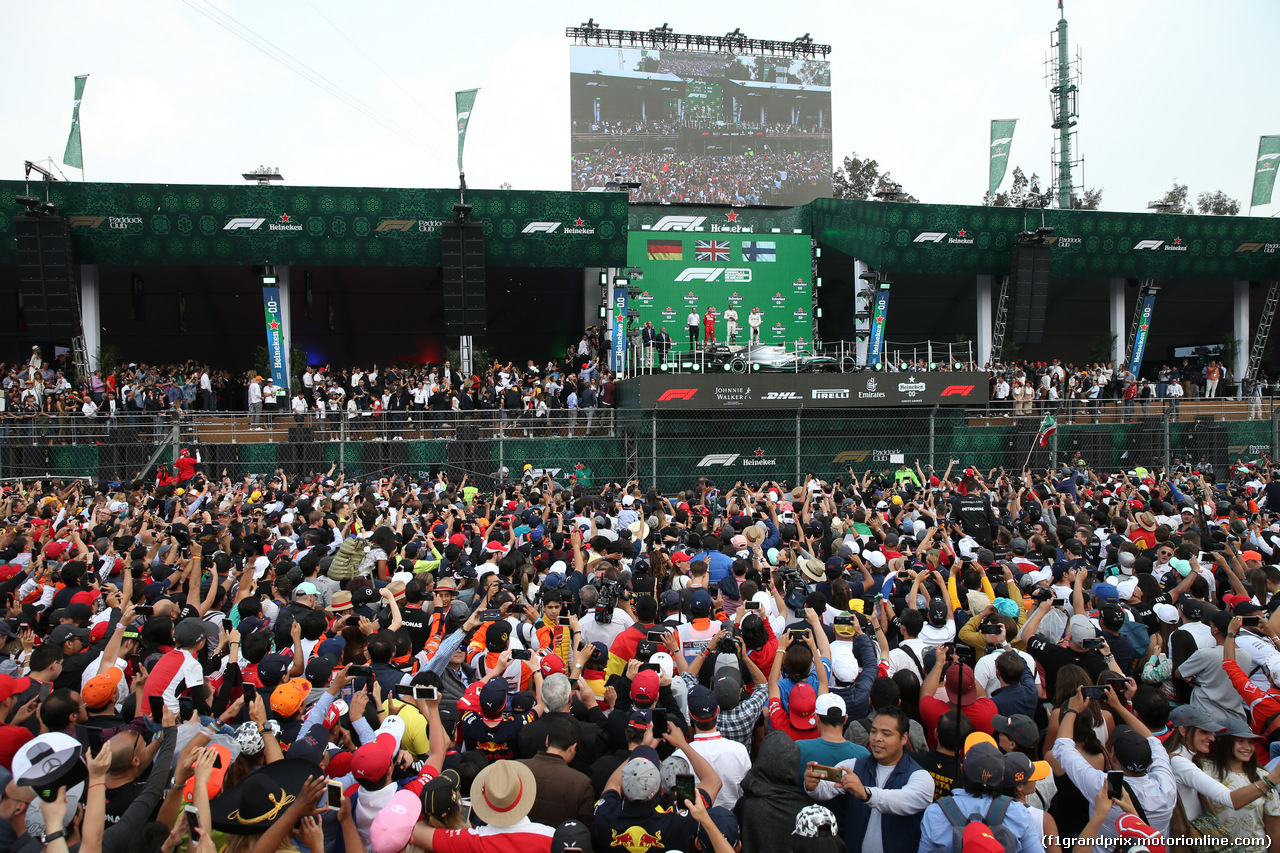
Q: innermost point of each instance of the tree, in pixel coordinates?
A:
(1217, 203)
(860, 179)
(857, 178)
(1177, 198)
(1092, 200)
(1019, 188)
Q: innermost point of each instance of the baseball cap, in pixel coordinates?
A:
(641, 779)
(493, 696)
(305, 588)
(830, 706)
(702, 703)
(984, 765)
(640, 719)
(1133, 828)
(728, 688)
(571, 835)
(371, 761)
(644, 687)
(441, 794)
(11, 686)
(392, 828)
(1166, 613)
(961, 684)
(1019, 727)
(551, 664)
(63, 633)
(1081, 629)
(287, 699)
(670, 599)
(700, 604)
(977, 838)
(1190, 716)
(1132, 751)
(100, 690)
(312, 744)
(801, 705)
(1018, 769)
(272, 667)
(1105, 592)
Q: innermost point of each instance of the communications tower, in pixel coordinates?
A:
(1062, 73)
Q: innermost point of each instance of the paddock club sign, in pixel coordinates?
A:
(688, 392)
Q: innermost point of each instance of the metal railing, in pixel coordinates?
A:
(669, 449)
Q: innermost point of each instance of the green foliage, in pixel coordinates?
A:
(1103, 347)
(1177, 198)
(861, 179)
(297, 365)
(108, 359)
(1217, 203)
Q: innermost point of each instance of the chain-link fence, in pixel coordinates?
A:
(669, 449)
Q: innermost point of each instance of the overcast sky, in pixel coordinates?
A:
(1172, 89)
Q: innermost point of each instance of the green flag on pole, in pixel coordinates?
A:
(1264, 176)
(464, 100)
(1001, 140)
(1047, 428)
(74, 156)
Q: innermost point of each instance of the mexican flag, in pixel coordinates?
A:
(1047, 428)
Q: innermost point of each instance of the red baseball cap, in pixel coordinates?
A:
(12, 739)
(552, 664)
(958, 677)
(54, 550)
(978, 839)
(371, 762)
(644, 687)
(10, 686)
(1130, 826)
(801, 705)
(339, 765)
(97, 632)
(459, 539)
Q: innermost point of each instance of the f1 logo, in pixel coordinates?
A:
(247, 223)
(957, 391)
(724, 459)
(396, 224)
(850, 456)
(930, 237)
(1148, 244)
(1243, 247)
(679, 223)
(678, 394)
(543, 227)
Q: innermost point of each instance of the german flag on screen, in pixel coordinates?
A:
(665, 250)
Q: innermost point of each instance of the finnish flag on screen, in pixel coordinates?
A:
(760, 251)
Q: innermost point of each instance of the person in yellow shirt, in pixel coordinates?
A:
(552, 636)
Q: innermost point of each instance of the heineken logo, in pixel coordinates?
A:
(962, 237)
(1174, 245)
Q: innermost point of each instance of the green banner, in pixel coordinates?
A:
(74, 155)
(464, 101)
(716, 271)
(944, 239)
(1264, 176)
(1001, 142)
(140, 224)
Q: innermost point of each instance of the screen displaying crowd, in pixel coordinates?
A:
(906, 661)
(701, 128)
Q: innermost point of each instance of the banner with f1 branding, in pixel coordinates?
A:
(1140, 339)
(275, 337)
(619, 319)
(877, 327)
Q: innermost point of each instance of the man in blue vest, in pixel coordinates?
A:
(885, 794)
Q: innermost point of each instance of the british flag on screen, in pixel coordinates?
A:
(711, 250)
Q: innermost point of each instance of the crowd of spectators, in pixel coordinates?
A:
(1081, 391)
(909, 661)
(760, 177)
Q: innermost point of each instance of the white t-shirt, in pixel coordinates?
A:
(692, 319)
(731, 762)
(984, 671)
(596, 632)
(933, 637)
(255, 393)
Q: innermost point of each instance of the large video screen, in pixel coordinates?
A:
(695, 128)
(701, 271)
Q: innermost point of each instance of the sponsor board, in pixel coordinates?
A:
(797, 391)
